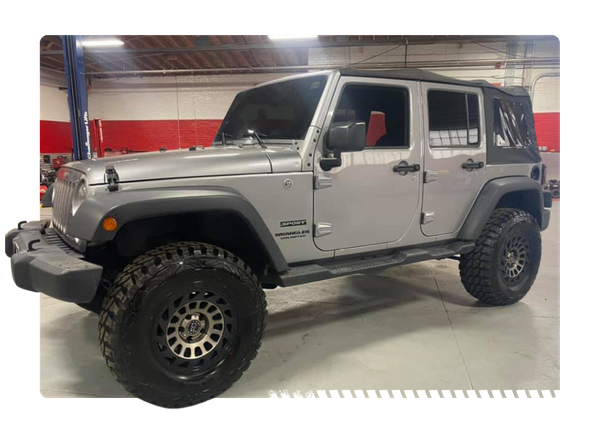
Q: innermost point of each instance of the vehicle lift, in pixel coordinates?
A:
(78, 103)
(78, 106)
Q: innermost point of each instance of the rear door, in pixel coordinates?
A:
(454, 160)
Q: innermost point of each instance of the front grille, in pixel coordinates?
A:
(64, 190)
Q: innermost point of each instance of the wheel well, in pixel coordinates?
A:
(227, 230)
(527, 200)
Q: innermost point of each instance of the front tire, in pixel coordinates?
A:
(182, 323)
(503, 266)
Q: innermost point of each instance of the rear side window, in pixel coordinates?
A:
(510, 125)
(453, 119)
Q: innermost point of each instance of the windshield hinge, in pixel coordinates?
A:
(112, 178)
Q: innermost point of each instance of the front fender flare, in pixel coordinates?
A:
(130, 205)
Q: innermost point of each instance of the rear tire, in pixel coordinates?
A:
(503, 266)
(182, 323)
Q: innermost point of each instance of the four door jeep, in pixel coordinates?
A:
(309, 177)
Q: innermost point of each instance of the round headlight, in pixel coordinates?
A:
(79, 196)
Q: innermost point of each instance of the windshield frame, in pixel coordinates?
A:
(251, 140)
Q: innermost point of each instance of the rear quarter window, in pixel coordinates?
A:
(510, 125)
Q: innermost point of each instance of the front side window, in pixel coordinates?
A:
(280, 111)
(453, 119)
(384, 110)
(510, 125)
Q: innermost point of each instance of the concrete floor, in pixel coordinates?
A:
(410, 327)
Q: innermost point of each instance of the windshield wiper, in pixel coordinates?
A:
(224, 137)
(259, 137)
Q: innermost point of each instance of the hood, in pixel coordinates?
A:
(203, 162)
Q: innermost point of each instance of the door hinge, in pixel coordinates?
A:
(322, 181)
(427, 217)
(430, 176)
(322, 229)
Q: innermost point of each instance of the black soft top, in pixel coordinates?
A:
(422, 75)
(515, 94)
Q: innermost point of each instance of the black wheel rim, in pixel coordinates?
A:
(514, 259)
(194, 333)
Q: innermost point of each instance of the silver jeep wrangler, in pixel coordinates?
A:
(310, 177)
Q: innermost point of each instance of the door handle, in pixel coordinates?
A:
(403, 168)
(471, 165)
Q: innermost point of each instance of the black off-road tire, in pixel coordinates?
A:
(485, 272)
(135, 323)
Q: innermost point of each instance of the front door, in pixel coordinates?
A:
(454, 156)
(366, 202)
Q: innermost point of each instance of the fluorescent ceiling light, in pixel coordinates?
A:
(103, 43)
(281, 37)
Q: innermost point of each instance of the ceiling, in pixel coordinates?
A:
(219, 54)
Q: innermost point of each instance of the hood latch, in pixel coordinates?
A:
(112, 178)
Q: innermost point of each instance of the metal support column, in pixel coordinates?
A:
(78, 103)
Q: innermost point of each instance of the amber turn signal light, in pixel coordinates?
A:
(109, 224)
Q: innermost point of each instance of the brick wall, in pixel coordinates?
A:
(152, 112)
(55, 129)
(146, 114)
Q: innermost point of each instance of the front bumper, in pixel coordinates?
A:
(42, 262)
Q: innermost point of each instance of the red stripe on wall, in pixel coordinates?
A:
(149, 135)
(547, 130)
(55, 137)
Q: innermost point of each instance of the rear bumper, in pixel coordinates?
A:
(547, 199)
(42, 262)
(545, 219)
(545, 216)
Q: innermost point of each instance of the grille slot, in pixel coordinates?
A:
(53, 239)
(64, 190)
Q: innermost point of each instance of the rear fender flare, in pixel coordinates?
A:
(491, 194)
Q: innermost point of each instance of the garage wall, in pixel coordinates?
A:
(55, 129)
(546, 103)
(546, 108)
(153, 112)
(172, 112)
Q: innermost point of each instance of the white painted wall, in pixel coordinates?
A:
(546, 97)
(161, 98)
(53, 104)
(208, 97)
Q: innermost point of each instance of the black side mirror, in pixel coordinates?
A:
(343, 137)
(346, 137)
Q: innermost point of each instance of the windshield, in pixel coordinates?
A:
(280, 111)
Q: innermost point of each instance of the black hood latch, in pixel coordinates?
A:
(112, 178)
